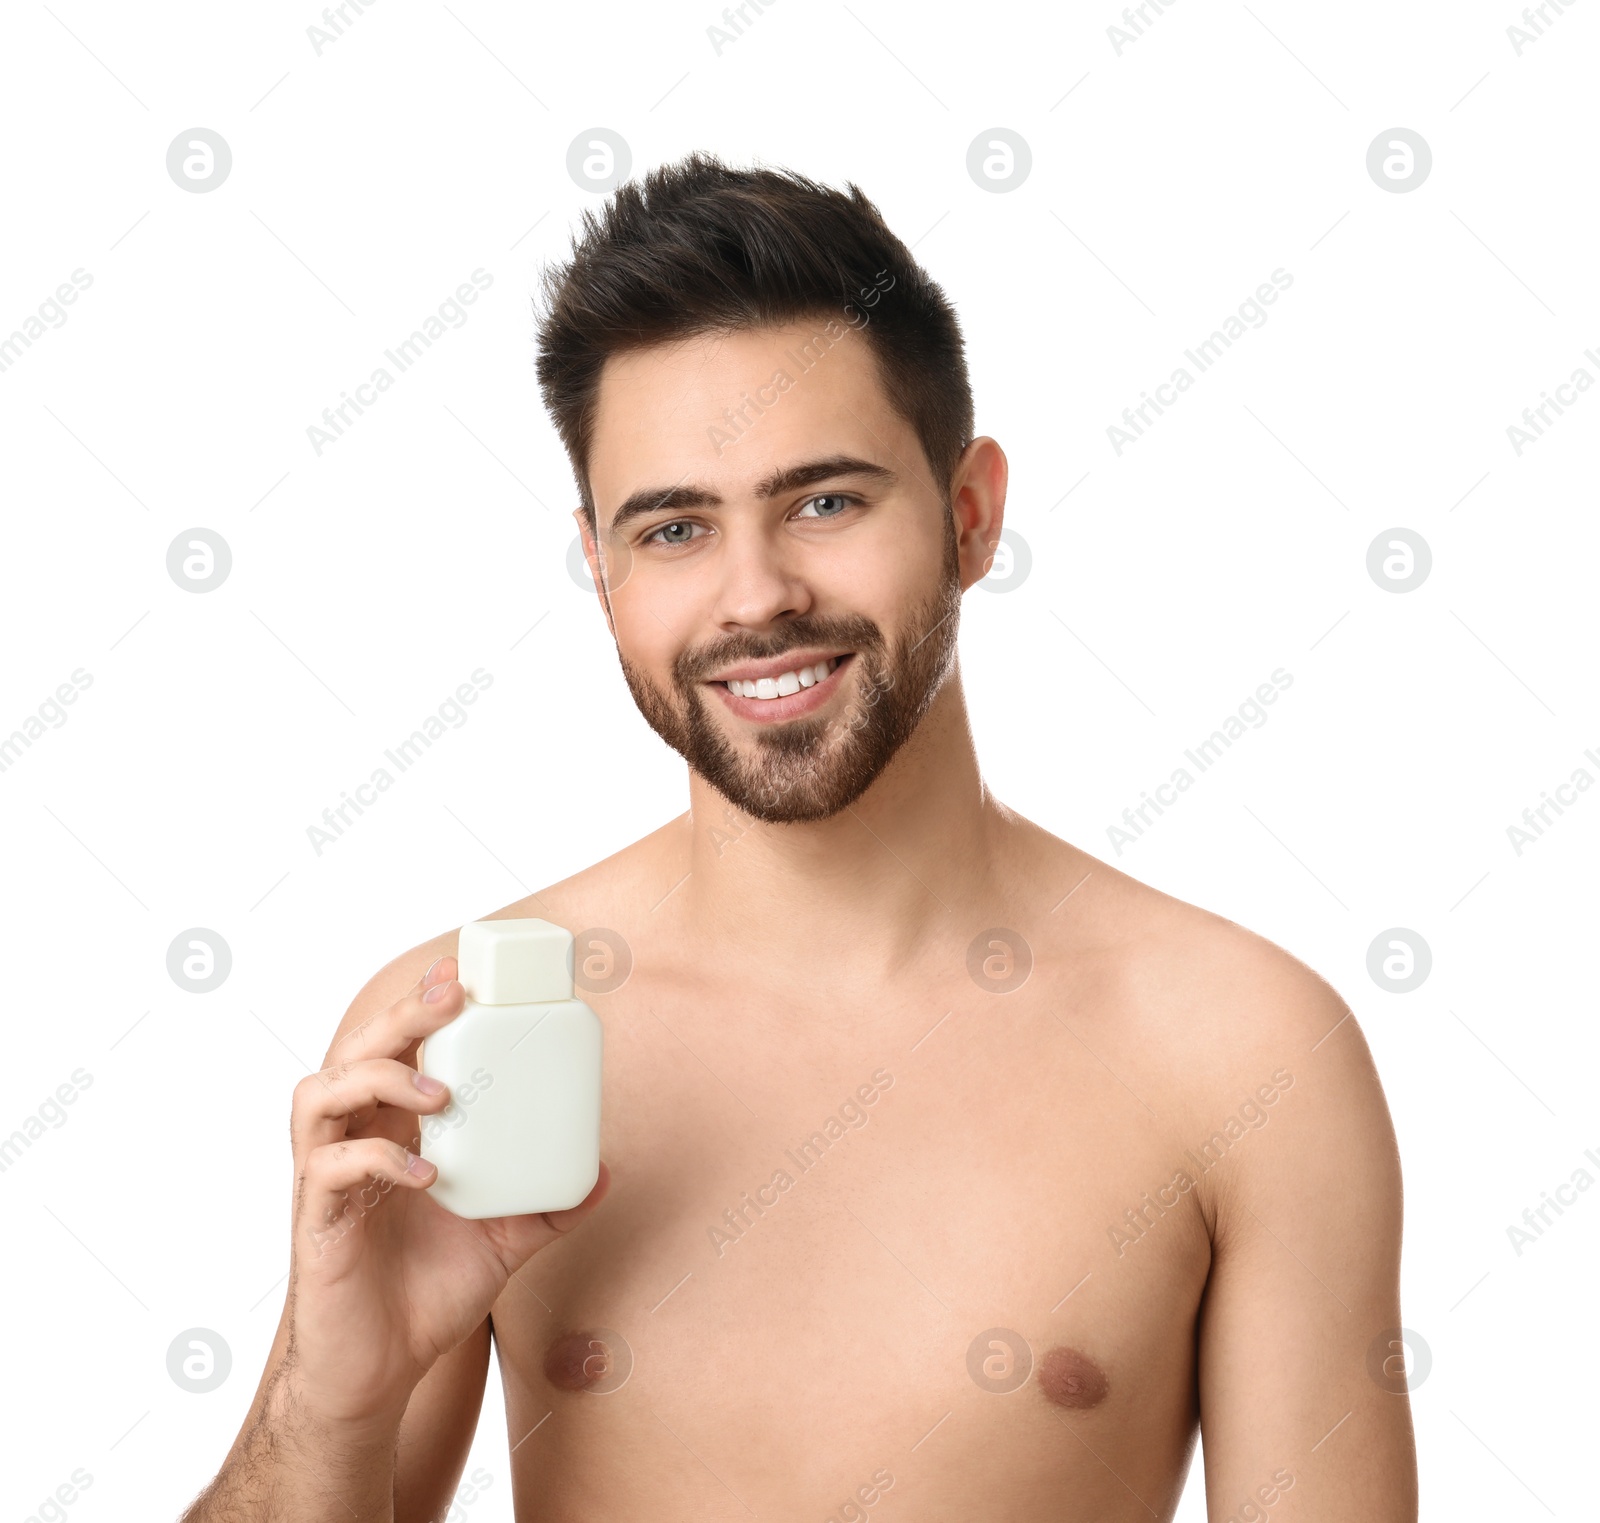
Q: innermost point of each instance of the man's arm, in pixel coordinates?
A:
(437, 1431)
(286, 1463)
(1304, 1416)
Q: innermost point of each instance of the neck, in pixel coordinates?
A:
(863, 890)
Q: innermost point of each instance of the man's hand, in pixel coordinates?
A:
(383, 1279)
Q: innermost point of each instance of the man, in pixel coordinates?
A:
(949, 1171)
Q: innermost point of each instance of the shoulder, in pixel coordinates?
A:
(387, 985)
(604, 897)
(616, 894)
(1279, 1091)
(1177, 970)
(1239, 1046)
(1228, 994)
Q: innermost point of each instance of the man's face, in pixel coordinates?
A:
(760, 552)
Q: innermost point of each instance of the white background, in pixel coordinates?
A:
(1167, 182)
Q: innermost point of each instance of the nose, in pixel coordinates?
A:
(759, 582)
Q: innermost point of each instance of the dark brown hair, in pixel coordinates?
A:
(699, 247)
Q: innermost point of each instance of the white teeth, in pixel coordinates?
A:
(788, 682)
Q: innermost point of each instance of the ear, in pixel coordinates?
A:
(978, 504)
(591, 554)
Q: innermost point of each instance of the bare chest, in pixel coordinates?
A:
(858, 1263)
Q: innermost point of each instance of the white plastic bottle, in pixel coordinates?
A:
(522, 1130)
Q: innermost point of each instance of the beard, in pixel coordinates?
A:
(813, 767)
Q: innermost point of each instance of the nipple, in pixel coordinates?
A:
(1073, 1380)
(577, 1362)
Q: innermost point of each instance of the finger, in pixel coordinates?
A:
(342, 1182)
(394, 1032)
(328, 1103)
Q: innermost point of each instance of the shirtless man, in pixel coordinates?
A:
(950, 1172)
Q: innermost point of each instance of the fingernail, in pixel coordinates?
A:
(416, 1165)
(437, 992)
(431, 966)
(427, 1084)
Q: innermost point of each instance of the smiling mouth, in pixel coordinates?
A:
(765, 689)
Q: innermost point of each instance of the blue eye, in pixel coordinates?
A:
(838, 497)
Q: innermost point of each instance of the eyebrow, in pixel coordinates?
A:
(786, 479)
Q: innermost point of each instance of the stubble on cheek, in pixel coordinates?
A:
(812, 768)
(807, 769)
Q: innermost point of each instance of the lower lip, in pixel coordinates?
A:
(775, 710)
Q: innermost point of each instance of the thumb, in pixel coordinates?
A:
(515, 1239)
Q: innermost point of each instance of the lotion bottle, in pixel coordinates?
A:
(522, 1130)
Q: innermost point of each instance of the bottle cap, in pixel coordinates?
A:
(515, 962)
